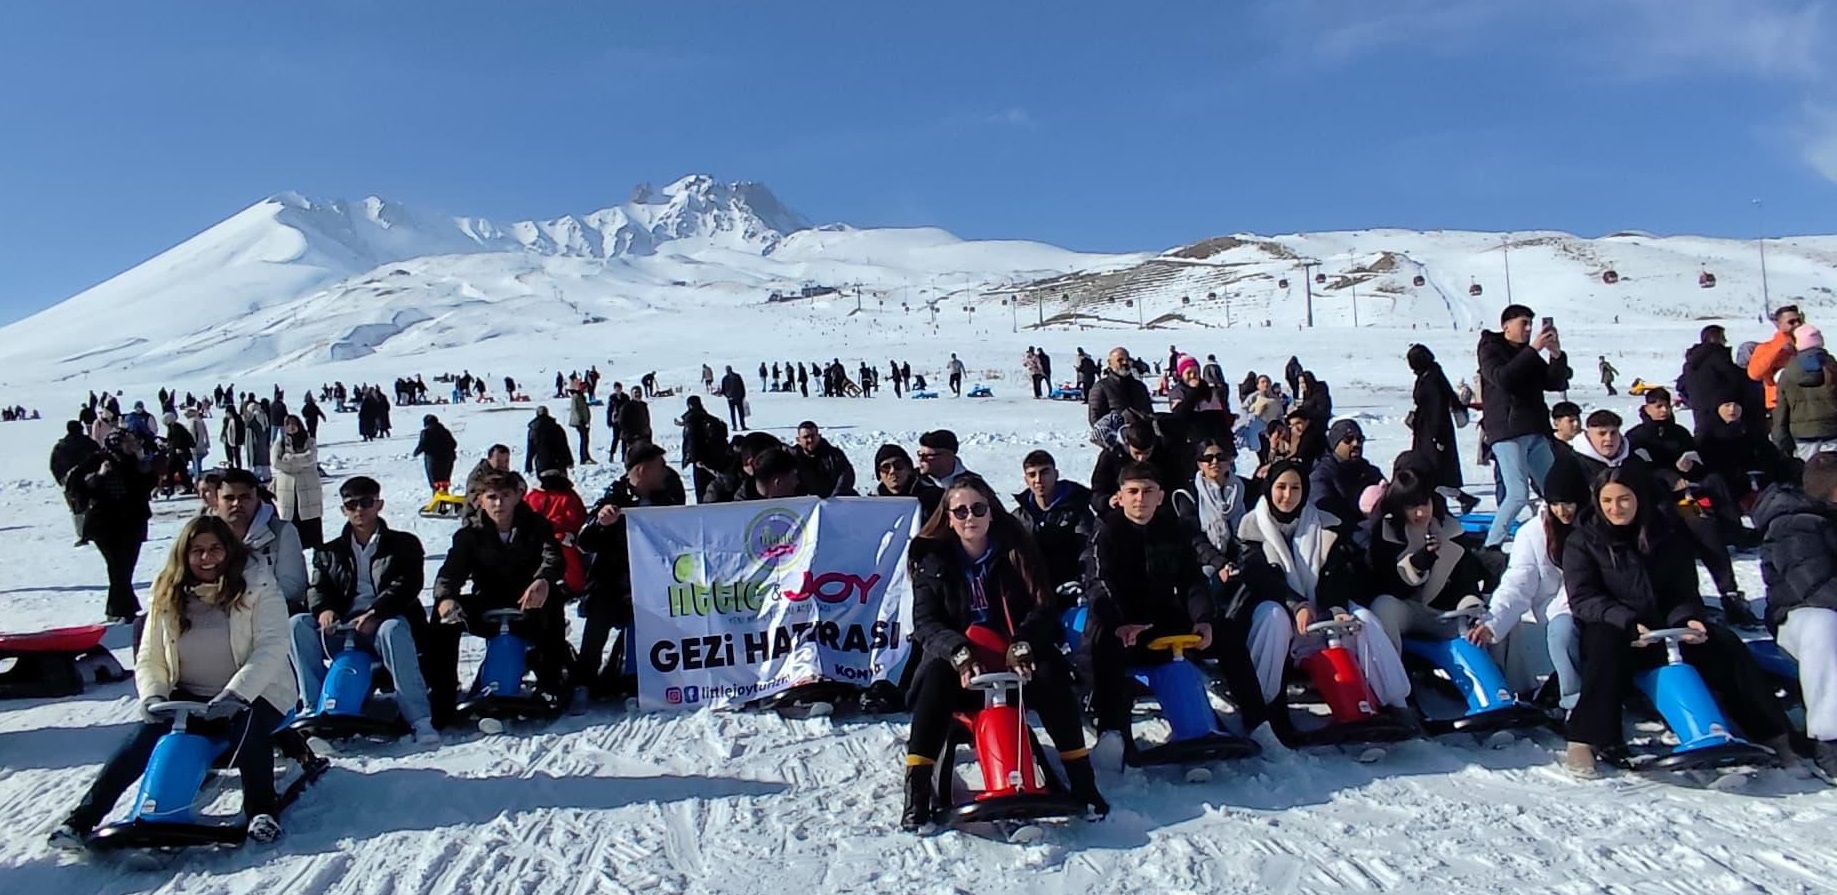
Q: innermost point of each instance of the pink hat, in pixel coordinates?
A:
(1807, 337)
(1186, 361)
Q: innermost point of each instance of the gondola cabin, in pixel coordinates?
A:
(1706, 280)
(1610, 277)
(1475, 290)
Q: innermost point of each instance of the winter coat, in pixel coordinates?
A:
(259, 644)
(258, 441)
(634, 421)
(1711, 379)
(1765, 364)
(1515, 378)
(441, 449)
(1798, 551)
(1118, 394)
(1663, 444)
(1807, 404)
(141, 423)
(548, 447)
(1432, 426)
(928, 495)
(178, 441)
(826, 471)
(276, 543)
(1062, 529)
(1733, 452)
(100, 430)
(942, 602)
(1455, 573)
(614, 403)
(733, 387)
(1145, 575)
(579, 415)
(1337, 566)
(1611, 581)
(299, 493)
(699, 437)
(69, 453)
(200, 436)
(1336, 485)
(499, 572)
(1213, 557)
(1317, 404)
(234, 433)
(396, 572)
(115, 504)
(564, 510)
(609, 572)
(1532, 583)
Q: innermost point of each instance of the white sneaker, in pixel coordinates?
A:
(263, 828)
(490, 726)
(425, 734)
(1107, 755)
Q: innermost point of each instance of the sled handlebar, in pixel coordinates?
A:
(1465, 613)
(501, 616)
(1177, 644)
(1333, 626)
(179, 710)
(995, 680)
(1673, 639)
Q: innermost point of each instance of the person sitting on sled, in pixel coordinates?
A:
(975, 566)
(370, 576)
(1798, 561)
(508, 555)
(216, 633)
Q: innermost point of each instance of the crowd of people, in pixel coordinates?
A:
(1166, 538)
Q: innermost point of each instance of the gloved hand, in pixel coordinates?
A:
(1422, 560)
(1020, 659)
(225, 706)
(146, 709)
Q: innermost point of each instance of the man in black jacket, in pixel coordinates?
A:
(1119, 391)
(634, 421)
(508, 555)
(1516, 421)
(1140, 445)
(1798, 562)
(1711, 378)
(70, 451)
(369, 576)
(899, 478)
(608, 603)
(704, 442)
(1057, 513)
(733, 388)
(825, 470)
(114, 490)
(548, 445)
(439, 450)
(1340, 478)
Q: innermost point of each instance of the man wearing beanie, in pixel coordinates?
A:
(899, 478)
(1339, 477)
(937, 458)
(1517, 367)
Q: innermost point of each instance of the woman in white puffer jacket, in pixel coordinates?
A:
(1527, 624)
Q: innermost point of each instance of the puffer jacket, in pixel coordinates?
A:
(1516, 377)
(1807, 408)
(1611, 581)
(258, 642)
(499, 572)
(1061, 529)
(1798, 551)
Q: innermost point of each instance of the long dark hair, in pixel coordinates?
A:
(1646, 522)
(1408, 488)
(1556, 536)
(1005, 533)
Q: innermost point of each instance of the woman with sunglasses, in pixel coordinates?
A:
(299, 496)
(1212, 507)
(975, 567)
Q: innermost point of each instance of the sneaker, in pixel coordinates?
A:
(1824, 756)
(1108, 754)
(1579, 761)
(68, 838)
(263, 828)
(425, 734)
(1789, 757)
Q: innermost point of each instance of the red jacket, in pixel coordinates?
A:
(564, 510)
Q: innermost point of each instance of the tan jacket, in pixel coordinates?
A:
(259, 642)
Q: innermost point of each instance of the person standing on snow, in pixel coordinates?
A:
(955, 371)
(69, 453)
(733, 388)
(634, 421)
(255, 421)
(1516, 368)
(114, 490)
(438, 450)
(1607, 375)
(1031, 363)
(580, 419)
(547, 446)
(233, 434)
(299, 493)
(312, 414)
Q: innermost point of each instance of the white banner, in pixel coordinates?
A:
(738, 601)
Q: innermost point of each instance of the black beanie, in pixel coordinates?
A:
(1565, 482)
(891, 452)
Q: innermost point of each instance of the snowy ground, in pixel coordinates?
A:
(616, 802)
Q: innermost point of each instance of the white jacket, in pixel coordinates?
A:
(200, 433)
(259, 641)
(1532, 584)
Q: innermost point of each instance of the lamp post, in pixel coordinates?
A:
(1307, 282)
(1506, 247)
(1766, 299)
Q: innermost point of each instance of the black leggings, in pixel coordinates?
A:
(120, 555)
(1712, 549)
(1609, 661)
(937, 694)
(252, 755)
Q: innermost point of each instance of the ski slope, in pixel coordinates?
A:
(753, 804)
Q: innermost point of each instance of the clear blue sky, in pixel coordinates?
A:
(129, 126)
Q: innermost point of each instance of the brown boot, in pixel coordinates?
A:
(1579, 761)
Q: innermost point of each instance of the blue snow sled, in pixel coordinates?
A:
(980, 391)
(1067, 393)
(1781, 669)
(165, 814)
(498, 692)
(1490, 704)
(1706, 739)
(343, 708)
(922, 393)
(1180, 687)
(1479, 522)
(1073, 621)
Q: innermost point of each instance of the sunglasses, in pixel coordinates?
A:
(360, 503)
(1212, 458)
(977, 509)
(894, 466)
(926, 456)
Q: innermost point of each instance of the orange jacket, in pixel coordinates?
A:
(1769, 358)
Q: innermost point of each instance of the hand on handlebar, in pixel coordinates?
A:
(1204, 630)
(1640, 631)
(1020, 659)
(1480, 635)
(535, 595)
(1702, 634)
(1129, 633)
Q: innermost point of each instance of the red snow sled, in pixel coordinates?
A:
(1334, 672)
(1017, 783)
(58, 662)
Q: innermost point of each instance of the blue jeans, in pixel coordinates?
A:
(1565, 642)
(394, 642)
(1521, 463)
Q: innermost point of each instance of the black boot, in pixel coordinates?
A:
(1083, 780)
(918, 798)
